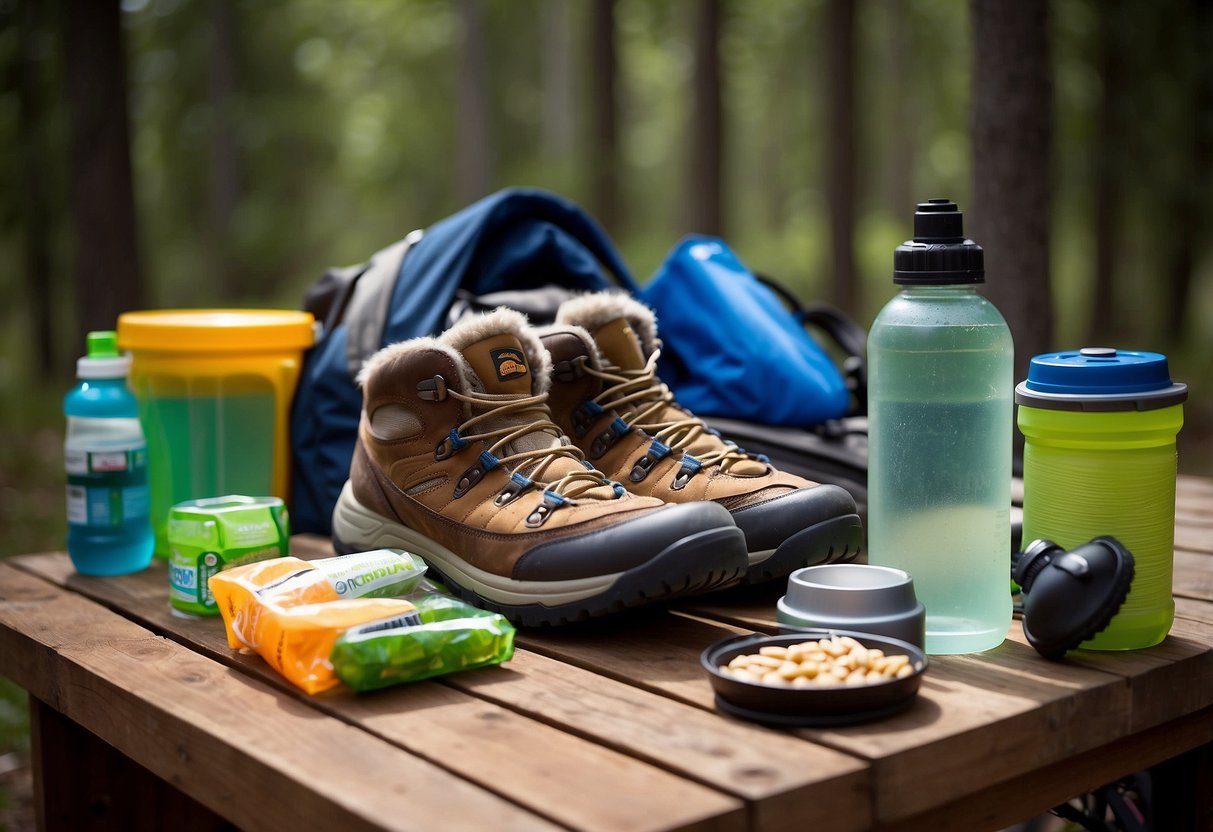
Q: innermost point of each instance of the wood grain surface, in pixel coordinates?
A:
(610, 725)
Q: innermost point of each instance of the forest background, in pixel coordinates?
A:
(186, 153)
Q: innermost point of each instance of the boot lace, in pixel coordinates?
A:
(640, 398)
(506, 419)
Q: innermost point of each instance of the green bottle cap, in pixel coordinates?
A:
(103, 344)
(103, 359)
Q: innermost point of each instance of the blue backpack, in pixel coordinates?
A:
(530, 250)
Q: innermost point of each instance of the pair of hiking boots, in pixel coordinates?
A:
(549, 475)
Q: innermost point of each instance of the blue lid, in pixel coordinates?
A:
(1100, 378)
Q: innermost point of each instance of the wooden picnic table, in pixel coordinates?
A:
(609, 726)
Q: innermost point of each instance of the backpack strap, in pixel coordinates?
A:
(365, 313)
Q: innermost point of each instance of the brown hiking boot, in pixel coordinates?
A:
(458, 460)
(606, 395)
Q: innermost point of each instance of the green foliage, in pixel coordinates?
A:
(340, 122)
(14, 718)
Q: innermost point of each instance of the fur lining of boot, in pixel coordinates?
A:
(465, 333)
(593, 310)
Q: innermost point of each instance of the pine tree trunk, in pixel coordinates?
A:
(473, 141)
(1193, 205)
(1012, 132)
(604, 135)
(34, 197)
(839, 47)
(900, 193)
(558, 99)
(107, 272)
(225, 158)
(704, 180)
(1109, 150)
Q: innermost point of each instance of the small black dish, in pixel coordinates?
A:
(810, 707)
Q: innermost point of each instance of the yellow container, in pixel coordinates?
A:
(214, 389)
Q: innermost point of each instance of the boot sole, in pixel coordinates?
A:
(701, 562)
(836, 540)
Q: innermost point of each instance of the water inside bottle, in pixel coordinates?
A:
(208, 446)
(944, 508)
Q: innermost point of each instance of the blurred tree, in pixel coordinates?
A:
(839, 48)
(900, 196)
(107, 270)
(1012, 129)
(474, 137)
(603, 158)
(225, 158)
(559, 122)
(1111, 32)
(34, 201)
(1190, 209)
(706, 153)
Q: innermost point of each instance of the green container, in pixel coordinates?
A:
(214, 388)
(207, 536)
(1099, 459)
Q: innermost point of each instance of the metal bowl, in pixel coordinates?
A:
(791, 707)
(853, 596)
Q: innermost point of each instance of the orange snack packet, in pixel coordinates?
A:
(291, 611)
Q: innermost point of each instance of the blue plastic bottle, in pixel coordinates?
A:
(105, 457)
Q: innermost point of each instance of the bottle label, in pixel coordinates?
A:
(79, 462)
(106, 488)
(189, 575)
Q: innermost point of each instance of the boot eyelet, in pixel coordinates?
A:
(451, 443)
(544, 510)
(539, 516)
(641, 469)
(570, 370)
(432, 390)
(487, 462)
(690, 467)
(584, 416)
(469, 478)
(657, 451)
(513, 488)
(609, 437)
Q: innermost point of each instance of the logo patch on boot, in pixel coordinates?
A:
(509, 363)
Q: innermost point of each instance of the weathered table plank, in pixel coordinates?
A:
(475, 739)
(787, 779)
(1193, 576)
(231, 742)
(990, 702)
(607, 726)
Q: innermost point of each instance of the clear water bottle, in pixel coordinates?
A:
(939, 409)
(105, 457)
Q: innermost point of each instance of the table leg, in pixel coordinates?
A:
(81, 782)
(1182, 791)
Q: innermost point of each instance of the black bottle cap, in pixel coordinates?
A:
(1071, 596)
(939, 254)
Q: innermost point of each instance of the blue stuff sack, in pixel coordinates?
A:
(732, 348)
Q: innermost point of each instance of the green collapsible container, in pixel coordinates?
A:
(1099, 459)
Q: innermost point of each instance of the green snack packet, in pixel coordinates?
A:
(442, 636)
